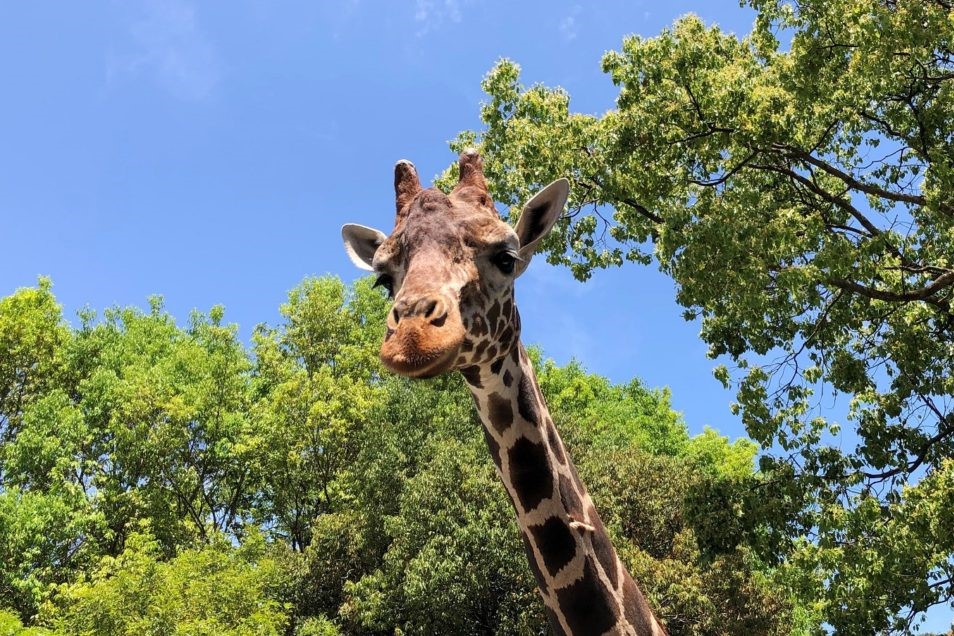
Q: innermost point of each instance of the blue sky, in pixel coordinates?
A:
(210, 153)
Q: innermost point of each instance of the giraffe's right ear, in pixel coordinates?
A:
(537, 219)
(361, 243)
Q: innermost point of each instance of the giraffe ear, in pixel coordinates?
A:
(537, 219)
(361, 243)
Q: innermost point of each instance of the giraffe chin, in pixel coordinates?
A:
(417, 352)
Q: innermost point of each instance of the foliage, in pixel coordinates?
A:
(31, 338)
(614, 415)
(10, 625)
(455, 564)
(165, 479)
(312, 380)
(798, 185)
(214, 589)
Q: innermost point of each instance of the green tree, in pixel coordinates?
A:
(10, 625)
(166, 479)
(316, 387)
(214, 589)
(455, 563)
(47, 523)
(130, 418)
(45, 538)
(168, 411)
(801, 195)
(32, 336)
(614, 416)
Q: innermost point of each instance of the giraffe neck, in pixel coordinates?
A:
(584, 585)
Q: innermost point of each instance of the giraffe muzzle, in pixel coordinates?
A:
(423, 338)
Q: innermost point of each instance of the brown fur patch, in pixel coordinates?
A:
(472, 376)
(526, 401)
(534, 566)
(603, 548)
(530, 473)
(586, 604)
(495, 366)
(555, 543)
(570, 497)
(635, 607)
(499, 411)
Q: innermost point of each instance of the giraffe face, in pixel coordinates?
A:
(450, 265)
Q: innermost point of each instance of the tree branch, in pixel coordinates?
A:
(924, 293)
(643, 210)
(944, 430)
(728, 175)
(850, 180)
(824, 194)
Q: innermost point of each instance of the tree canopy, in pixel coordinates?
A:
(798, 186)
(157, 478)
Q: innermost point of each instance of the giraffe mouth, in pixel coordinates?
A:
(427, 370)
(419, 349)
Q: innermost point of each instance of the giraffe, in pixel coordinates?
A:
(449, 265)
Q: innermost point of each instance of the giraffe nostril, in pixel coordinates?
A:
(440, 320)
(396, 315)
(429, 308)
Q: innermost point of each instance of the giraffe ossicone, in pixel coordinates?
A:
(450, 264)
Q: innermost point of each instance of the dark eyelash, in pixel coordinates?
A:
(385, 281)
(505, 261)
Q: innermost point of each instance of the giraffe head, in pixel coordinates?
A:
(449, 264)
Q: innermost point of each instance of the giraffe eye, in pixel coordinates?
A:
(505, 262)
(385, 281)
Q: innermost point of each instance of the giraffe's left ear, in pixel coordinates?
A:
(361, 243)
(538, 217)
